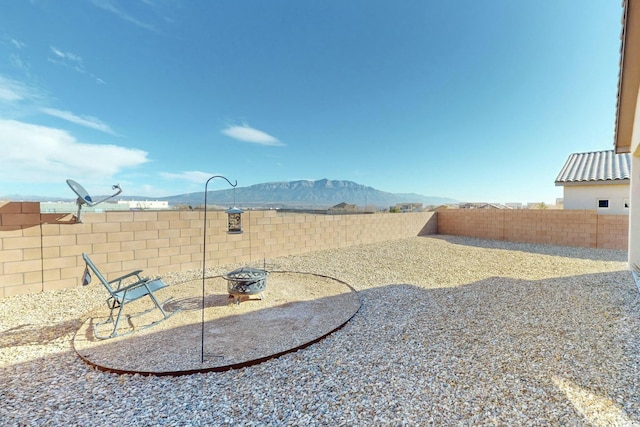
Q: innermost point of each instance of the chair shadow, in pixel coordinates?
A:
(195, 303)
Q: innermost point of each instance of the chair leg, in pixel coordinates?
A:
(115, 326)
(155, 301)
(115, 304)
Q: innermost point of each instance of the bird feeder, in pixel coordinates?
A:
(235, 220)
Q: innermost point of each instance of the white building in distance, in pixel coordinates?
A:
(144, 204)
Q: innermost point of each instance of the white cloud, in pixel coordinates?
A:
(112, 7)
(248, 134)
(17, 62)
(12, 90)
(191, 176)
(66, 55)
(72, 61)
(87, 121)
(68, 59)
(17, 44)
(32, 153)
(18, 99)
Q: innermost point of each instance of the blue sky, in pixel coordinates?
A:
(472, 100)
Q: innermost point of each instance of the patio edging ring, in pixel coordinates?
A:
(95, 352)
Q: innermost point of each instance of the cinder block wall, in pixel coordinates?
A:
(584, 228)
(40, 252)
(20, 247)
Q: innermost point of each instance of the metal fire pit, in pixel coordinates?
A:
(246, 281)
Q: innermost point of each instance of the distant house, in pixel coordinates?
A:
(409, 207)
(344, 207)
(482, 205)
(514, 205)
(598, 180)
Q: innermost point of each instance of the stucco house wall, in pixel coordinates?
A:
(587, 197)
(633, 145)
(627, 126)
(634, 214)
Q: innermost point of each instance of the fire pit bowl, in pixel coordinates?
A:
(246, 281)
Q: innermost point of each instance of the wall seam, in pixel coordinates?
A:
(41, 256)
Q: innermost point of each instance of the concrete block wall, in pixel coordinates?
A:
(20, 247)
(583, 228)
(40, 252)
(613, 232)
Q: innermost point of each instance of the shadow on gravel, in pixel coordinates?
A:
(37, 334)
(543, 249)
(563, 347)
(499, 351)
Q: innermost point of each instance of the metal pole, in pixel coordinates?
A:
(204, 256)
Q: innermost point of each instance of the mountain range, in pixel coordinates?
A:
(323, 193)
(304, 194)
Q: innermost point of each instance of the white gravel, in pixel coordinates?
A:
(452, 331)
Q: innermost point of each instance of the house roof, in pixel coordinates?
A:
(629, 75)
(343, 205)
(595, 167)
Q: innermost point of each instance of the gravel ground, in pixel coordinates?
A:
(452, 331)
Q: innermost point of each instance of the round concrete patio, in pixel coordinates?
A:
(298, 309)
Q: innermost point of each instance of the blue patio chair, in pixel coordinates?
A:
(123, 290)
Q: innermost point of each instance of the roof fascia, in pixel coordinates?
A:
(582, 183)
(629, 77)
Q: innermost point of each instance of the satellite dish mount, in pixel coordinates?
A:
(85, 199)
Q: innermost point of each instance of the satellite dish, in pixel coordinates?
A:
(85, 199)
(80, 191)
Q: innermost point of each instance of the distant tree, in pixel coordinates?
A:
(394, 209)
(542, 205)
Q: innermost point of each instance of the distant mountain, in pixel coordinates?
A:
(318, 194)
(23, 198)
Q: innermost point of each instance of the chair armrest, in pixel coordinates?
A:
(134, 285)
(126, 276)
(139, 289)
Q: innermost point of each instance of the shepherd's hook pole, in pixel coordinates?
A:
(204, 256)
